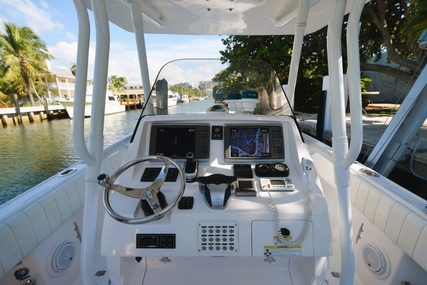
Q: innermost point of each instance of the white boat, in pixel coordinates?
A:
(269, 205)
(172, 99)
(112, 105)
(184, 99)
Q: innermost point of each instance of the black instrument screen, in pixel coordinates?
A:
(176, 141)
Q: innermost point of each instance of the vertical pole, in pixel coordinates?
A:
(95, 141)
(340, 140)
(142, 53)
(320, 127)
(301, 22)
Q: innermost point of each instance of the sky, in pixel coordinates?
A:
(55, 21)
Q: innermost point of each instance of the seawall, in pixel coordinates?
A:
(12, 116)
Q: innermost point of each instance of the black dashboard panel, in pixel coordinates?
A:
(254, 142)
(176, 141)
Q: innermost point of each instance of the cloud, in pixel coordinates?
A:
(37, 17)
(124, 58)
(65, 54)
(70, 36)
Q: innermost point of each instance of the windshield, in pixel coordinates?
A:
(235, 86)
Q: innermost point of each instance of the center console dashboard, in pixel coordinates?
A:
(263, 155)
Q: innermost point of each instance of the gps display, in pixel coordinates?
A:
(249, 142)
(253, 142)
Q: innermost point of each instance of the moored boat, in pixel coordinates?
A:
(184, 99)
(172, 99)
(112, 105)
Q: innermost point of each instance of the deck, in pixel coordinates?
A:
(373, 128)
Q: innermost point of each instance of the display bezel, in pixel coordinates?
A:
(275, 142)
(199, 144)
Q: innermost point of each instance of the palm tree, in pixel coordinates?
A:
(116, 84)
(3, 85)
(73, 68)
(24, 54)
(415, 24)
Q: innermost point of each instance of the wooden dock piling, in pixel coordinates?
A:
(13, 116)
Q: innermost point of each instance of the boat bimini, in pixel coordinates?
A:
(220, 196)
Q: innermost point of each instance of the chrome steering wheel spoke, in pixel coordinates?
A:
(148, 193)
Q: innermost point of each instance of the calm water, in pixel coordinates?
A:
(31, 153)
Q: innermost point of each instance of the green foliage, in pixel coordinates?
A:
(243, 75)
(277, 51)
(23, 57)
(73, 68)
(392, 25)
(190, 91)
(364, 83)
(404, 21)
(116, 83)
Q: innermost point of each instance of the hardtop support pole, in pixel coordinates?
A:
(137, 22)
(301, 23)
(340, 140)
(81, 79)
(95, 142)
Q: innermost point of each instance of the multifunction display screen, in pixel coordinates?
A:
(176, 141)
(253, 142)
(249, 142)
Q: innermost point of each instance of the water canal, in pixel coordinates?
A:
(32, 152)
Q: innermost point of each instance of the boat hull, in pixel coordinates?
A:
(110, 108)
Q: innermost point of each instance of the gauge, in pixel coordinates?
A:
(280, 167)
(264, 168)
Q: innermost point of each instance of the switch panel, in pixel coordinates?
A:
(218, 238)
(155, 241)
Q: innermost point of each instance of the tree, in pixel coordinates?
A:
(272, 49)
(116, 84)
(190, 91)
(386, 25)
(3, 85)
(73, 68)
(394, 26)
(24, 56)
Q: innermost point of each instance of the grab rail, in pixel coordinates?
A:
(92, 154)
(340, 140)
(142, 53)
(353, 77)
(301, 23)
(80, 85)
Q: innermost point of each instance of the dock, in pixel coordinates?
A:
(373, 128)
(11, 116)
(131, 101)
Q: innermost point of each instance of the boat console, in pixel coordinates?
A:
(244, 183)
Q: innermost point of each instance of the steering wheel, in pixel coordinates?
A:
(148, 193)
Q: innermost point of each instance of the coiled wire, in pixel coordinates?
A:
(309, 211)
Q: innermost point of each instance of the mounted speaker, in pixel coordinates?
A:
(63, 256)
(374, 259)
